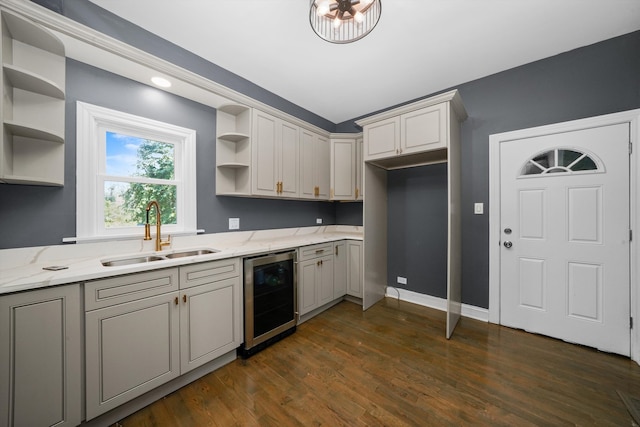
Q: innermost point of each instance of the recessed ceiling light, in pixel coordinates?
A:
(161, 81)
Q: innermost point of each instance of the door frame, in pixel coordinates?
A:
(632, 117)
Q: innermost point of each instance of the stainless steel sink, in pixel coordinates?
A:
(194, 252)
(150, 258)
(133, 260)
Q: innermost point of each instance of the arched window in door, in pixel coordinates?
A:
(561, 160)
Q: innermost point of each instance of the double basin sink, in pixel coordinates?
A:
(142, 259)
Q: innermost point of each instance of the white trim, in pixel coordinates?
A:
(633, 118)
(470, 311)
(92, 121)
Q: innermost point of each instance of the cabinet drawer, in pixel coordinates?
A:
(121, 289)
(207, 272)
(314, 251)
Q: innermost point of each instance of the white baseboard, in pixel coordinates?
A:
(471, 311)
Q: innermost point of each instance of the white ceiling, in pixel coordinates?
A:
(419, 46)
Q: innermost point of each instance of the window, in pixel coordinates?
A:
(124, 162)
(560, 160)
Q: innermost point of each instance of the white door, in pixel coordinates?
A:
(564, 218)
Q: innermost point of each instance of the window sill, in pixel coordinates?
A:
(95, 239)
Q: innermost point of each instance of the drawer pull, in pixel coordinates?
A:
(319, 251)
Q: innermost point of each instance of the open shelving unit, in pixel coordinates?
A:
(233, 150)
(32, 111)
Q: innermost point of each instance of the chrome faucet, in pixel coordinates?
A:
(147, 227)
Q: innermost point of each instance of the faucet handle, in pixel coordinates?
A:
(165, 242)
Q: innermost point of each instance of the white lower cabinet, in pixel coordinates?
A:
(40, 358)
(354, 268)
(315, 277)
(136, 341)
(340, 271)
(210, 312)
(347, 269)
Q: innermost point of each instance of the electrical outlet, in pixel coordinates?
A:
(478, 208)
(402, 280)
(234, 223)
(318, 220)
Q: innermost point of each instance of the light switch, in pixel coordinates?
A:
(478, 208)
(234, 223)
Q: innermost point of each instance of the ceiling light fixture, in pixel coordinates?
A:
(160, 81)
(344, 21)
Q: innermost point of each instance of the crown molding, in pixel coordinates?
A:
(453, 97)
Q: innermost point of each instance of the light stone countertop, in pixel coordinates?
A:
(22, 268)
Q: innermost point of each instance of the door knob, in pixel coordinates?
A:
(508, 244)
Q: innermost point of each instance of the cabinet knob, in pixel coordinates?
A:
(176, 300)
(184, 298)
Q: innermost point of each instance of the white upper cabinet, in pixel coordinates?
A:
(346, 167)
(32, 111)
(414, 134)
(383, 139)
(275, 156)
(423, 129)
(343, 169)
(314, 166)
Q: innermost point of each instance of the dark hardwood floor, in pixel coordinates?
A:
(392, 366)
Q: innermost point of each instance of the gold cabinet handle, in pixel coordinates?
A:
(357, 192)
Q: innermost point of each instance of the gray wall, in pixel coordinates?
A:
(594, 80)
(35, 216)
(417, 228)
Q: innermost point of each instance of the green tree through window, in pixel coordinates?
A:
(152, 169)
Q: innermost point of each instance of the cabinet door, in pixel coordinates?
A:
(359, 193)
(264, 155)
(382, 139)
(323, 155)
(307, 295)
(307, 161)
(209, 322)
(324, 280)
(343, 163)
(289, 159)
(354, 265)
(40, 358)
(314, 166)
(340, 270)
(424, 129)
(131, 348)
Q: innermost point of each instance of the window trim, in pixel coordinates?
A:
(92, 123)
